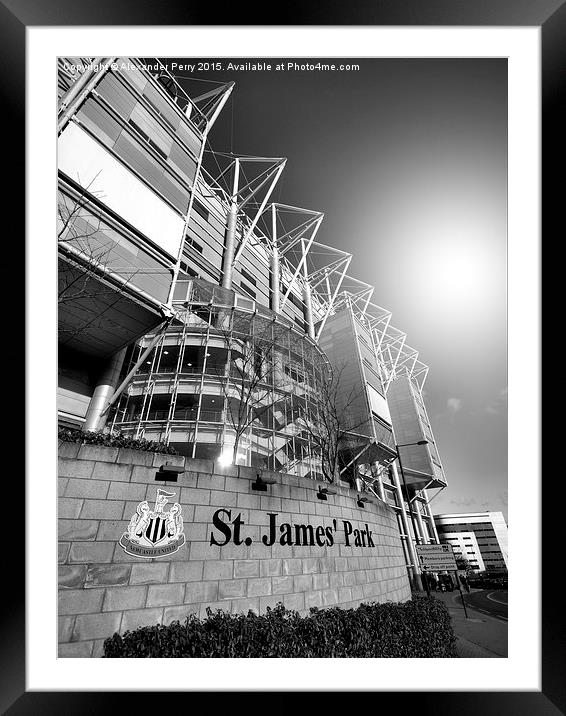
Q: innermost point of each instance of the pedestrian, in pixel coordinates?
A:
(464, 581)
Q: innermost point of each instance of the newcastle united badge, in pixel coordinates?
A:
(153, 532)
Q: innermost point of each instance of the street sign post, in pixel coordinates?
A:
(436, 557)
(440, 558)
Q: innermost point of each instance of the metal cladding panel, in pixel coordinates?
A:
(132, 74)
(99, 122)
(100, 244)
(410, 426)
(183, 164)
(370, 367)
(338, 341)
(384, 435)
(142, 85)
(121, 122)
(138, 158)
(259, 270)
(150, 126)
(186, 132)
(158, 101)
(85, 161)
(190, 137)
(378, 404)
(347, 344)
(112, 90)
(216, 216)
(210, 238)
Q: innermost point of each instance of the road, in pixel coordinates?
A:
(487, 601)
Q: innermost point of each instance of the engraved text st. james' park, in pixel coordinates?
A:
(228, 529)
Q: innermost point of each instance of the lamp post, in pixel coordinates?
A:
(416, 570)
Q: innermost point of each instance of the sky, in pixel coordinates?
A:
(407, 158)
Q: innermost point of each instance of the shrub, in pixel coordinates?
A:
(91, 437)
(420, 627)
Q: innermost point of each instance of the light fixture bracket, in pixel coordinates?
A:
(260, 484)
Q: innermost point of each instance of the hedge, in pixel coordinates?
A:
(420, 627)
(92, 437)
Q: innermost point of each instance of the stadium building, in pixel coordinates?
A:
(197, 311)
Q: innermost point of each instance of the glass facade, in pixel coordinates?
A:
(233, 381)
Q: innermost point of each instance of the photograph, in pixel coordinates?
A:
(283, 369)
(282, 357)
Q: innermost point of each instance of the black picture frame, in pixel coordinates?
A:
(550, 16)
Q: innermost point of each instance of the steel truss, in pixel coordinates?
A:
(286, 235)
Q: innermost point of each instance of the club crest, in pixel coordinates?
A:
(153, 532)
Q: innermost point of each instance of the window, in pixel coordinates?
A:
(189, 241)
(247, 289)
(186, 407)
(168, 360)
(185, 268)
(193, 359)
(248, 277)
(295, 300)
(200, 209)
(294, 374)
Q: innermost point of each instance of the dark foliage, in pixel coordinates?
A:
(114, 440)
(420, 627)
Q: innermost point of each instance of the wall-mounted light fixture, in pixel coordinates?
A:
(261, 483)
(169, 472)
(323, 492)
(362, 501)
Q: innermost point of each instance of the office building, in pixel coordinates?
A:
(478, 537)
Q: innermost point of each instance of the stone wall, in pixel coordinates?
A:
(103, 590)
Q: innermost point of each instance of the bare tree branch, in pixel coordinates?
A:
(334, 423)
(81, 231)
(247, 381)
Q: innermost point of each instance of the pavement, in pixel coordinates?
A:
(478, 636)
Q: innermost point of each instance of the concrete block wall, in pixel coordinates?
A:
(103, 590)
